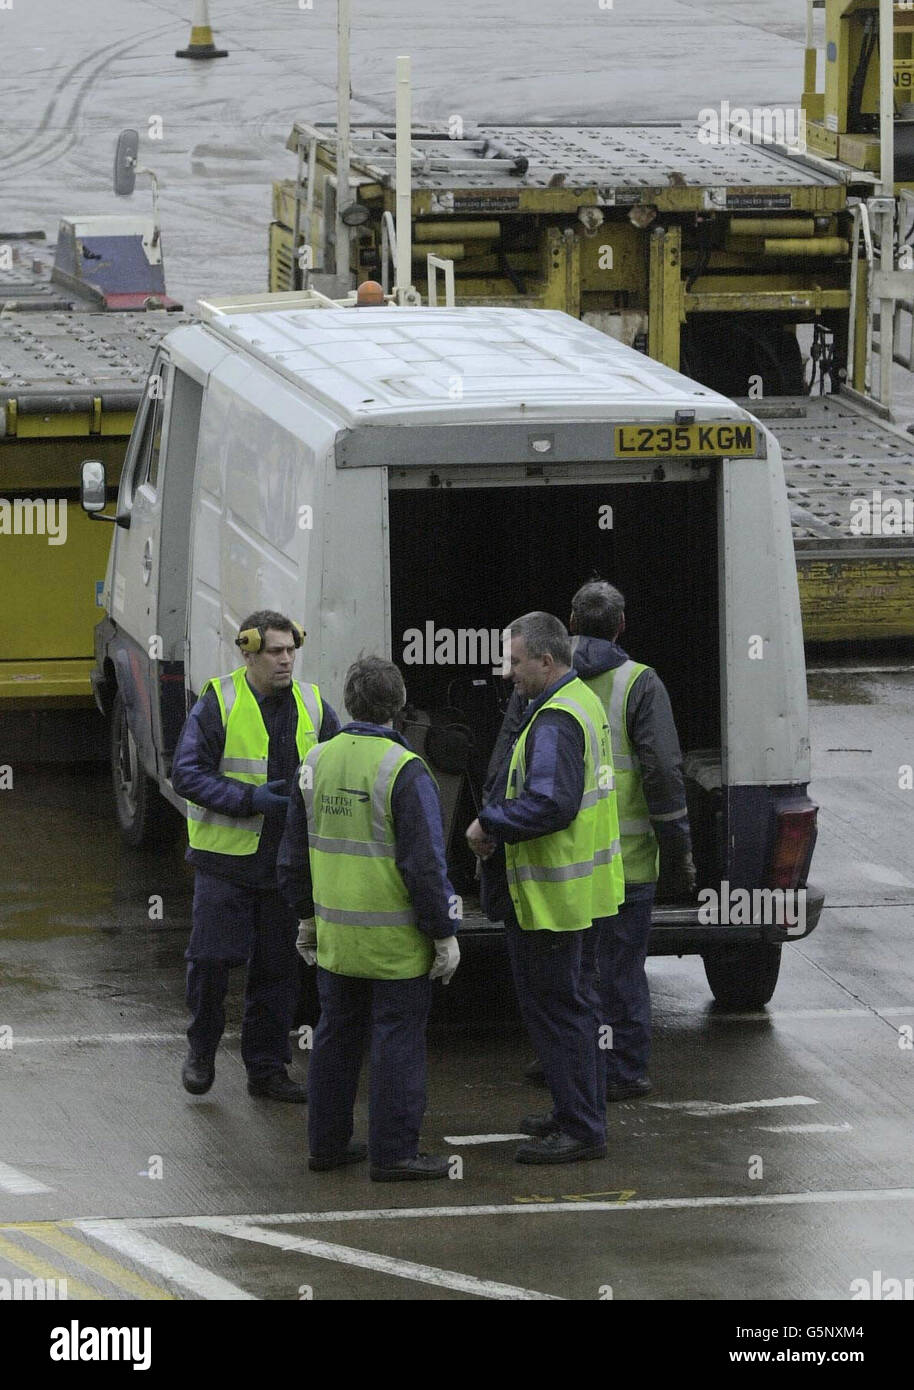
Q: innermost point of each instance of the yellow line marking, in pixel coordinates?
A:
(117, 1274)
(41, 1269)
(621, 1194)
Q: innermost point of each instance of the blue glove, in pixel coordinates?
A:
(267, 801)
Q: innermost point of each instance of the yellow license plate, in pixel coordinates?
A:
(653, 441)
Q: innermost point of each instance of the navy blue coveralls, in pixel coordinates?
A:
(239, 916)
(388, 1016)
(554, 972)
(621, 941)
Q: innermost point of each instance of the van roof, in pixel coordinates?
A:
(388, 365)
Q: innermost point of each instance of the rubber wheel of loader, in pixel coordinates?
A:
(146, 820)
(743, 977)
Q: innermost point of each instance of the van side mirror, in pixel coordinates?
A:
(93, 486)
(128, 144)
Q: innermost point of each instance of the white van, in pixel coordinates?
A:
(388, 476)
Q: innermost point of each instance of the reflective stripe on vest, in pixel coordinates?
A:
(563, 881)
(639, 843)
(244, 758)
(364, 914)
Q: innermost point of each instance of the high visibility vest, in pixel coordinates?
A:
(639, 843)
(366, 925)
(244, 758)
(563, 881)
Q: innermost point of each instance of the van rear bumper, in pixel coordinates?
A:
(681, 930)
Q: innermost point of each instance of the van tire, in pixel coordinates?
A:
(145, 819)
(743, 977)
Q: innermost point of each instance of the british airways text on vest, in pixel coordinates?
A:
(74, 1343)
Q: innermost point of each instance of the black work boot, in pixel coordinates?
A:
(277, 1086)
(197, 1074)
(413, 1169)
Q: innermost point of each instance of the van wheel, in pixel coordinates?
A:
(145, 818)
(743, 977)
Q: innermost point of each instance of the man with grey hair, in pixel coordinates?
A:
(362, 861)
(548, 839)
(653, 820)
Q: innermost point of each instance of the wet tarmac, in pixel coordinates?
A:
(215, 132)
(772, 1161)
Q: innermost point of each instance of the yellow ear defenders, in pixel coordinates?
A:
(252, 638)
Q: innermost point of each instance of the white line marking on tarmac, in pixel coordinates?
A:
(806, 1129)
(11, 1180)
(865, 1194)
(174, 1267)
(894, 1011)
(482, 1138)
(716, 1107)
(367, 1259)
(74, 1039)
(856, 670)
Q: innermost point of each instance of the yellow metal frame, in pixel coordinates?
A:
(666, 312)
(47, 635)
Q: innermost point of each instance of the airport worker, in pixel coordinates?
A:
(654, 824)
(362, 861)
(234, 762)
(551, 863)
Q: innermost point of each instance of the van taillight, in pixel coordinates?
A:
(794, 837)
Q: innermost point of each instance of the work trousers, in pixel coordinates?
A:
(233, 925)
(389, 1017)
(625, 1000)
(554, 978)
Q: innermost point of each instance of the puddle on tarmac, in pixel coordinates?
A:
(841, 690)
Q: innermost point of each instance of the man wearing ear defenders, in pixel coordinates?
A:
(235, 760)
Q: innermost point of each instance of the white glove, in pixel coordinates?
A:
(306, 945)
(447, 959)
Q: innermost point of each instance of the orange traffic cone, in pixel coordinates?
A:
(201, 36)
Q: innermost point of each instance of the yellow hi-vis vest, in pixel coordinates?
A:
(639, 843)
(244, 758)
(366, 925)
(563, 881)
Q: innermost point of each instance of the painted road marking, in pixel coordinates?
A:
(11, 1180)
(482, 1138)
(41, 1269)
(124, 1279)
(825, 1198)
(173, 1267)
(716, 1107)
(620, 1194)
(806, 1129)
(75, 1039)
(854, 670)
(759, 1015)
(367, 1259)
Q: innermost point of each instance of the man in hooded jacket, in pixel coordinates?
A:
(653, 820)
